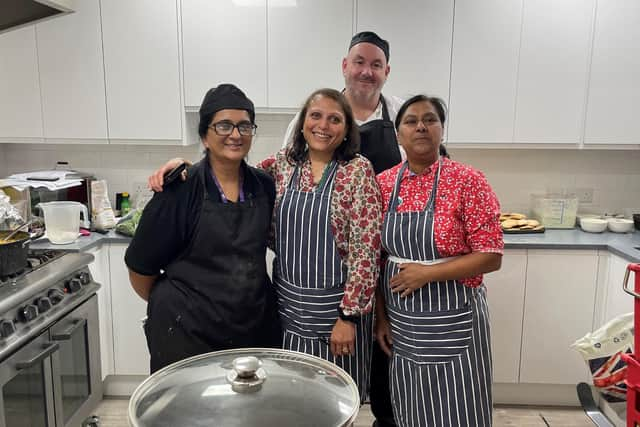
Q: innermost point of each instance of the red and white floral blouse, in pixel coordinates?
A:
(356, 221)
(467, 212)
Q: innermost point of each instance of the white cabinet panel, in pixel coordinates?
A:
(559, 308)
(486, 38)
(552, 75)
(224, 42)
(72, 74)
(20, 111)
(142, 69)
(131, 354)
(100, 271)
(614, 91)
(419, 35)
(617, 301)
(505, 295)
(306, 45)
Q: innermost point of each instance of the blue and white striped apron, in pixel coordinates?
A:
(441, 370)
(309, 277)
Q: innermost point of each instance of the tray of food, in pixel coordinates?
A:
(517, 223)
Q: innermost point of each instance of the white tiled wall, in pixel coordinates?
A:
(514, 174)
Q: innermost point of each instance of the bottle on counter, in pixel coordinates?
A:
(125, 205)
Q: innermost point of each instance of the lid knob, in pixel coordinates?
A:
(247, 375)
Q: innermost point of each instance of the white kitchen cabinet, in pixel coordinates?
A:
(224, 42)
(505, 295)
(484, 64)
(131, 355)
(419, 35)
(20, 112)
(615, 66)
(142, 77)
(100, 271)
(552, 73)
(617, 301)
(72, 75)
(558, 309)
(307, 40)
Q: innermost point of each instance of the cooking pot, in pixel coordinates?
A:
(247, 387)
(13, 254)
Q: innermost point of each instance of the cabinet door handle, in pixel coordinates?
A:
(66, 335)
(51, 347)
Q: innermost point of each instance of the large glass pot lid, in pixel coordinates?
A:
(244, 388)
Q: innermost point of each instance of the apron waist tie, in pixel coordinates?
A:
(398, 260)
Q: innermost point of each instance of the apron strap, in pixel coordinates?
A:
(430, 205)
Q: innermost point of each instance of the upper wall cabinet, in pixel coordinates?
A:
(20, 112)
(552, 73)
(420, 48)
(614, 91)
(224, 42)
(142, 64)
(72, 75)
(306, 44)
(486, 39)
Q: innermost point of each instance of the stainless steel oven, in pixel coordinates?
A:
(50, 371)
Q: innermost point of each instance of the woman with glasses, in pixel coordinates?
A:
(326, 227)
(440, 234)
(198, 255)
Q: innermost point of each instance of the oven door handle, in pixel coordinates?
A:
(50, 348)
(68, 334)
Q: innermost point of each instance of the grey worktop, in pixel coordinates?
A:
(623, 245)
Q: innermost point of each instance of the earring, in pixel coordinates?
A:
(345, 138)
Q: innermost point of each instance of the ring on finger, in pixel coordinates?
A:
(345, 349)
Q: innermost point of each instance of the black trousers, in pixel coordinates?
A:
(380, 394)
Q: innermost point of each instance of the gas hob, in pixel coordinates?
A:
(53, 284)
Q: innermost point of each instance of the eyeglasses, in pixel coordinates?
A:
(427, 121)
(225, 128)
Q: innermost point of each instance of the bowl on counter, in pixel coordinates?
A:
(593, 225)
(620, 225)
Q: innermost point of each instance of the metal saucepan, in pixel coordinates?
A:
(247, 387)
(13, 253)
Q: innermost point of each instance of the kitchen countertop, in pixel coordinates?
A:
(623, 245)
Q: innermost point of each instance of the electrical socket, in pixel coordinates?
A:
(140, 191)
(584, 195)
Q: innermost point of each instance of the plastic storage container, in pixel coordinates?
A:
(554, 210)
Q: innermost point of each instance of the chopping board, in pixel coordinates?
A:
(518, 231)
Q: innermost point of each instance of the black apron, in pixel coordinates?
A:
(217, 294)
(378, 142)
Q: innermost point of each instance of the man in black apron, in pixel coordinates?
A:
(214, 292)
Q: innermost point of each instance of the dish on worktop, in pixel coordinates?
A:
(517, 223)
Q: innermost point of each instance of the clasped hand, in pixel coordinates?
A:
(412, 276)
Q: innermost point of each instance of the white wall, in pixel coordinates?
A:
(513, 173)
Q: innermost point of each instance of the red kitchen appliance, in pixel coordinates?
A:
(633, 360)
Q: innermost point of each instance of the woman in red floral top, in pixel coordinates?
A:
(327, 222)
(440, 233)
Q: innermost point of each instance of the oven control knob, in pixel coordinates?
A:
(73, 285)
(43, 304)
(28, 313)
(55, 296)
(84, 277)
(6, 328)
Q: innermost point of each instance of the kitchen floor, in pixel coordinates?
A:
(113, 413)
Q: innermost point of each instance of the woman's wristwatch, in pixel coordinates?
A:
(352, 318)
